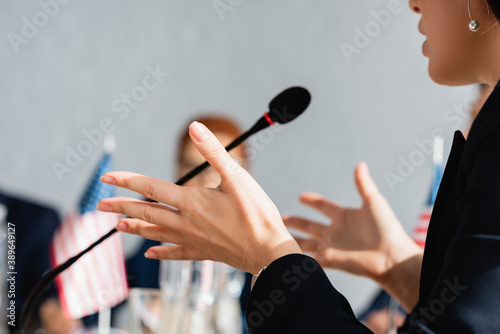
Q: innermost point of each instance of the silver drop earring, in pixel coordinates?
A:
(473, 24)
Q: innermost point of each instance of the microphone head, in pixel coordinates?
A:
(289, 104)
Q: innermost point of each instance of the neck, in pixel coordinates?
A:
(491, 70)
(491, 74)
(492, 82)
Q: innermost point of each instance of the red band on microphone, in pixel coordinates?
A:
(268, 119)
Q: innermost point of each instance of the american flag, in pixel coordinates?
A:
(420, 230)
(98, 280)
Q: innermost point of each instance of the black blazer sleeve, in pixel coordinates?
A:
(293, 295)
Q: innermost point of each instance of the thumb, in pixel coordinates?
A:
(212, 150)
(364, 182)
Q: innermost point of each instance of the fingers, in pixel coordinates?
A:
(154, 213)
(320, 204)
(212, 150)
(158, 190)
(175, 253)
(304, 225)
(149, 231)
(365, 184)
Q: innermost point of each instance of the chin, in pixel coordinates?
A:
(449, 76)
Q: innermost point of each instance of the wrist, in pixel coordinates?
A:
(401, 279)
(274, 252)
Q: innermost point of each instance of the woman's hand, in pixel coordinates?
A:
(235, 223)
(368, 241)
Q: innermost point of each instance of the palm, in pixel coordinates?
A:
(356, 240)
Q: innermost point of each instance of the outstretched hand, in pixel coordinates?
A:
(368, 241)
(235, 223)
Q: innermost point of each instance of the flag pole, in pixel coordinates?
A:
(104, 321)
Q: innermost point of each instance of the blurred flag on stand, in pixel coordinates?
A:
(420, 230)
(98, 280)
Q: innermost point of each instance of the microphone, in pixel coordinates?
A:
(285, 107)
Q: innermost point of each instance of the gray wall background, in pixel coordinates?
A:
(64, 78)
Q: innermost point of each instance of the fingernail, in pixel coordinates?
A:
(104, 207)
(199, 132)
(151, 254)
(122, 227)
(107, 179)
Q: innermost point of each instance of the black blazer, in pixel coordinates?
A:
(460, 279)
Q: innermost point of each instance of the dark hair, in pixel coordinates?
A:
(495, 7)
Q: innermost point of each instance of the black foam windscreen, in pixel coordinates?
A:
(289, 104)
